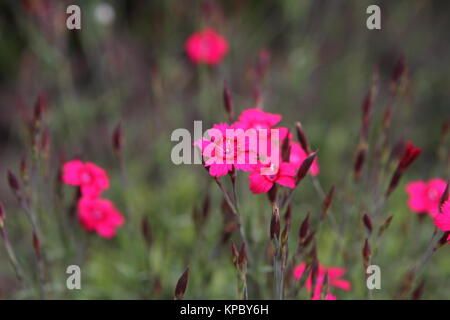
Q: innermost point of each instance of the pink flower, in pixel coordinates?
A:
(262, 183)
(224, 150)
(206, 46)
(330, 296)
(334, 279)
(442, 220)
(258, 119)
(298, 155)
(91, 178)
(424, 197)
(99, 215)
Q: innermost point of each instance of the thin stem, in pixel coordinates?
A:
(11, 255)
(233, 207)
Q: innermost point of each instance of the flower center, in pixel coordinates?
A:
(97, 214)
(432, 194)
(86, 177)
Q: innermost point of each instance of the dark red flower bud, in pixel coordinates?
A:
(327, 202)
(286, 149)
(24, 169)
(399, 70)
(367, 222)
(417, 293)
(181, 285)
(305, 166)
(409, 155)
(118, 139)
(301, 136)
(228, 102)
(37, 246)
(359, 160)
(275, 225)
(13, 182)
(304, 229)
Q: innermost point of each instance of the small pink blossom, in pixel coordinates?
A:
(262, 183)
(99, 215)
(206, 46)
(91, 178)
(334, 279)
(424, 197)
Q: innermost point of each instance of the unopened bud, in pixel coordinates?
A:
(13, 182)
(305, 166)
(275, 225)
(228, 102)
(301, 136)
(118, 139)
(327, 202)
(367, 222)
(180, 289)
(37, 246)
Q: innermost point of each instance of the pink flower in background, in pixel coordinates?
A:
(206, 46)
(442, 220)
(424, 197)
(330, 296)
(262, 183)
(89, 177)
(298, 155)
(258, 119)
(334, 279)
(99, 215)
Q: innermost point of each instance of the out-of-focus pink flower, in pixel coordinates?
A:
(330, 296)
(334, 279)
(206, 46)
(91, 178)
(442, 220)
(298, 155)
(424, 197)
(99, 215)
(262, 183)
(258, 119)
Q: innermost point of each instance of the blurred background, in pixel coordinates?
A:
(310, 61)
